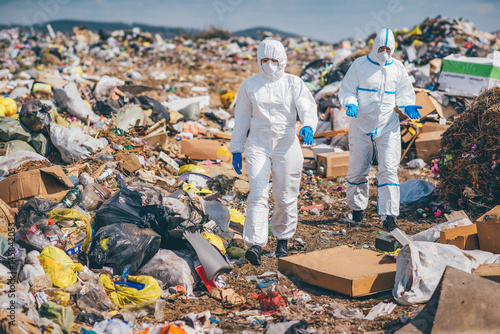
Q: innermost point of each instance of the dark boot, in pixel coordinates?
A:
(358, 216)
(390, 223)
(282, 248)
(253, 255)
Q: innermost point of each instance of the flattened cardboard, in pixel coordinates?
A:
(490, 271)
(7, 216)
(428, 144)
(428, 103)
(493, 212)
(488, 233)
(455, 215)
(50, 183)
(308, 153)
(131, 162)
(434, 127)
(464, 237)
(354, 272)
(332, 164)
(203, 149)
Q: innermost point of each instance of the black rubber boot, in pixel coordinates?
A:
(282, 248)
(358, 216)
(253, 255)
(390, 223)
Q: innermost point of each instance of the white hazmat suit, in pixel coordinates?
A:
(266, 109)
(376, 87)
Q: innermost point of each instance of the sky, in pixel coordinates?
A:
(324, 20)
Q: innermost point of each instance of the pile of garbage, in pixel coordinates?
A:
(470, 154)
(119, 209)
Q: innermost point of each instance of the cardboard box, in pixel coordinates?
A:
(428, 104)
(354, 272)
(308, 153)
(464, 237)
(490, 271)
(50, 183)
(332, 164)
(488, 233)
(203, 149)
(468, 76)
(493, 212)
(428, 144)
(434, 127)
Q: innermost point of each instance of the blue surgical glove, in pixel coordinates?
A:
(412, 111)
(307, 133)
(237, 162)
(352, 110)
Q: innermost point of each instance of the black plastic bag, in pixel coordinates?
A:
(333, 76)
(34, 209)
(123, 207)
(126, 207)
(35, 115)
(117, 245)
(157, 218)
(159, 111)
(105, 109)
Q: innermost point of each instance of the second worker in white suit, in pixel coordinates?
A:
(266, 110)
(373, 86)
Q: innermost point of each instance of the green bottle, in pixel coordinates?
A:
(72, 197)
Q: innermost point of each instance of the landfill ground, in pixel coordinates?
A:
(130, 84)
(310, 229)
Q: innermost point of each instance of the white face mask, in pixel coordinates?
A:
(383, 56)
(270, 67)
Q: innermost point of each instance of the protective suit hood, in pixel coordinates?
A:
(384, 38)
(272, 49)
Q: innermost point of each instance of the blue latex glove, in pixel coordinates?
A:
(237, 162)
(352, 110)
(307, 133)
(412, 111)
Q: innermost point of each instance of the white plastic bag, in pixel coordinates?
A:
(15, 160)
(170, 269)
(432, 234)
(421, 264)
(31, 267)
(73, 143)
(105, 87)
(68, 97)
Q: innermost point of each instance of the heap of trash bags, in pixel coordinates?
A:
(110, 204)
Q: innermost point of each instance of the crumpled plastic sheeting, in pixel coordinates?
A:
(73, 143)
(170, 269)
(423, 263)
(105, 87)
(16, 159)
(68, 97)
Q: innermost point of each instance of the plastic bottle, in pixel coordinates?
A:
(108, 172)
(72, 197)
(53, 234)
(103, 158)
(34, 237)
(86, 179)
(94, 195)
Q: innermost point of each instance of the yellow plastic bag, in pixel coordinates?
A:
(214, 240)
(81, 225)
(122, 295)
(190, 168)
(8, 106)
(59, 266)
(227, 98)
(237, 216)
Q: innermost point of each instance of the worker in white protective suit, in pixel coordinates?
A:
(373, 86)
(267, 106)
